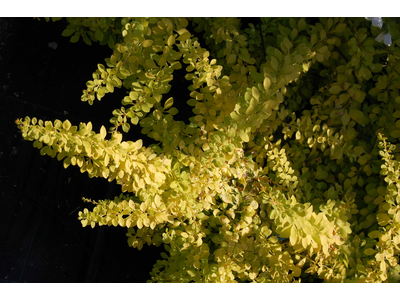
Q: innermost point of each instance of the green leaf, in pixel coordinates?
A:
(340, 28)
(147, 43)
(252, 106)
(171, 40)
(111, 41)
(369, 251)
(274, 63)
(99, 35)
(357, 115)
(298, 135)
(168, 103)
(244, 136)
(231, 59)
(267, 83)
(151, 64)
(288, 44)
(302, 24)
(86, 39)
(67, 162)
(383, 219)
(258, 77)
(255, 92)
(184, 34)
(66, 125)
(173, 111)
(395, 133)
(374, 234)
(345, 119)
(146, 107)
(75, 38)
(126, 127)
(335, 89)
(67, 32)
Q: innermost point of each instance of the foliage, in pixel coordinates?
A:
(289, 169)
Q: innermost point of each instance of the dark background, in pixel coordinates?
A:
(41, 238)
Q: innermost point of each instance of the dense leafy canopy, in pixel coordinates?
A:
(289, 169)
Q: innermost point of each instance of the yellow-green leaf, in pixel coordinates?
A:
(345, 119)
(169, 103)
(369, 251)
(147, 43)
(298, 135)
(103, 132)
(244, 136)
(395, 133)
(274, 63)
(335, 89)
(255, 92)
(374, 234)
(302, 24)
(340, 28)
(358, 116)
(383, 219)
(171, 40)
(231, 59)
(267, 83)
(184, 34)
(151, 64)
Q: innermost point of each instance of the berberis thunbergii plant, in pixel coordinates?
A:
(289, 169)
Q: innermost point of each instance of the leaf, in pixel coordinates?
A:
(169, 103)
(251, 107)
(345, 119)
(340, 28)
(258, 77)
(171, 40)
(111, 42)
(255, 92)
(273, 104)
(369, 251)
(302, 24)
(216, 138)
(99, 35)
(395, 133)
(162, 61)
(298, 135)
(67, 162)
(151, 64)
(335, 89)
(75, 38)
(293, 236)
(314, 39)
(374, 234)
(146, 107)
(244, 136)
(383, 219)
(184, 34)
(126, 127)
(231, 59)
(147, 43)
(267, 83)
(67, 32)
(274, 63)
(288, 44)
(357, 115)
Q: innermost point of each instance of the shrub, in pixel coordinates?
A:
(288, 170)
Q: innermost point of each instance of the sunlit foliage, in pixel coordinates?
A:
(289, 169)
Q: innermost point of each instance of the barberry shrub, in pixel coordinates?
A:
(287, 171)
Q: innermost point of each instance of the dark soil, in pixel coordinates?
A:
(41, 238)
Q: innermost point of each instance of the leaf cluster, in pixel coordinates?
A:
(284, 174)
